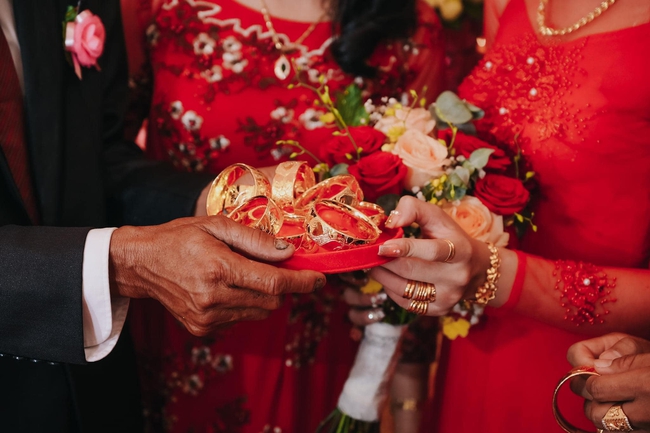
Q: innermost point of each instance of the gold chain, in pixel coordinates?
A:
(547, 31)
(274, 35)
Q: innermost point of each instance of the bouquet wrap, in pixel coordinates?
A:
(363, 391)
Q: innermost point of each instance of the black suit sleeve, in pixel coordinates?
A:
(141, 191)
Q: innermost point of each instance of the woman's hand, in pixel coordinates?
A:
(424, 259)
(624, 364)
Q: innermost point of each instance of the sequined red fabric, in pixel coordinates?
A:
(217, 101)
(578, 111)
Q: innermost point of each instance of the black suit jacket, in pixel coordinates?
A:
(82, 168)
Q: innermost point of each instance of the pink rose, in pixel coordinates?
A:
(84, 38)
(380, 173)
(408, 118)
(424, 156)
(477, 220)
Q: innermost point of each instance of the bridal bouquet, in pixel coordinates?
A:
(403, 147)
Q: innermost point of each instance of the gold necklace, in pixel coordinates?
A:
(547, 31)
(282, 64)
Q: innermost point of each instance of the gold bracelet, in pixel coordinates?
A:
(488, 291)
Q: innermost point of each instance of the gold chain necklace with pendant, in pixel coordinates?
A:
(547, 31)
(282, 64)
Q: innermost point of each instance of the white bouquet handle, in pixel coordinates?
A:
(363, 391)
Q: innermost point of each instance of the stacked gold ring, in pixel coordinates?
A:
(420, 291)
(324, 231)
(225, 195)
(418, 307)
(291, 180)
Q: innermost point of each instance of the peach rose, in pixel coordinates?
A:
(418, 119)
(424, 156)
(477, 220)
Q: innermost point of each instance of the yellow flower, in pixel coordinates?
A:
(395, 133)
(371, 288)
(451, 9)
(454, 328)
(327, 118)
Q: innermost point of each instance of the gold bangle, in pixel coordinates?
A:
(293, 230)
(488, 291)
(225, 195)
(291, 180)
(562, 422)
(260, 213)
(343, 188)
(353, 228)
(372, 211)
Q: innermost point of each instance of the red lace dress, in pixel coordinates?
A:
(580, 112)
(216, 101)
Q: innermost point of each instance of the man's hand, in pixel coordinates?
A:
(199, 270)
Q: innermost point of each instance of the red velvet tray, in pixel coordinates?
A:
(336, 262)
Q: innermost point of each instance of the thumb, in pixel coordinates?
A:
(251, 242)
(622, 364)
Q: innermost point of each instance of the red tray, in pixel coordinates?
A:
(336, 262)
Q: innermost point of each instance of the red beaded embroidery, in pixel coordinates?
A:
(583, 287)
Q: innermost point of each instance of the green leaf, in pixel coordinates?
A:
(350, 106)
(460, 177)
(71, 14)
(339, 169)
(480, 157)
(451, 109)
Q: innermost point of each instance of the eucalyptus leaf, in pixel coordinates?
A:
(451, 109)
(477, 113)
(480, 157)
(460, 176)
(339, 169)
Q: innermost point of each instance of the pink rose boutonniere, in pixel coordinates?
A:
(84, 36)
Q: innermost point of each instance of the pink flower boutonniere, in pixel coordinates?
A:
(84, 36)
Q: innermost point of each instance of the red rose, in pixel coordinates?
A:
(503, 195)
(367, 138)
(379, 174)
(466, 144)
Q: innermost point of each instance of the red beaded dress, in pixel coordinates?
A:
(580, 112)
(216, 101)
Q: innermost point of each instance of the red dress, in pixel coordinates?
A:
(580, 111)
(216, 101)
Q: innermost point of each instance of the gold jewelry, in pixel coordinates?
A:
(291, 180)
(418, 307)
(408, 404)
(293, 230)
(282, 64)
(225, 195)
(424, 292)
(452, 251)
(488, 291)
(372, 211)
(547, 31)
(259, 213)
(578, 371)
(409, 290)
(343, 188)
(332, 221)
(616, 420)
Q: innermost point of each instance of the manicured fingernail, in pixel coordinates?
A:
(603, 363)
(378, 299)
(281, 245)
(376, 315)
(389, 251)
(320, 283)
(391, 218)
(610, 354)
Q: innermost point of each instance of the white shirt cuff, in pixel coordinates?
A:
(103, 316)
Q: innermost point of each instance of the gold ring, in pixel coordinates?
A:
(372, 211)
(291, 180)
(452, 251)
(424, 292)
(616, 420)
(331, 221)
(343, 188)
(578, 371)
(225, 195)
(259, 213)
(418, 307)
(409, 290)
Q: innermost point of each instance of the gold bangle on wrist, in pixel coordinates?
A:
(488, 291)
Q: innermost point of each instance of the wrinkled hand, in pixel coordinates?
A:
(423, 259)
(196, 268)
(624, 364)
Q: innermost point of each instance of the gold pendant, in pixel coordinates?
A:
(282, 67)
